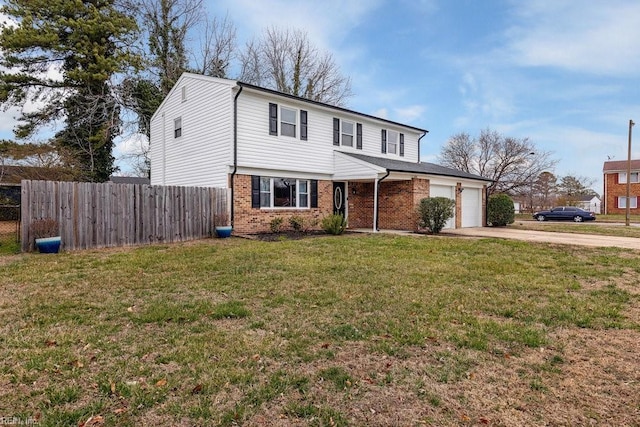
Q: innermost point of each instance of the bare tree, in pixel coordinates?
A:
(252, 64)
(167, 23)
(217, 47)
(285, 60)
(511, 163)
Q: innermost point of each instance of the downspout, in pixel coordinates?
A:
(235, 152)
(423, 135)
(376, 203)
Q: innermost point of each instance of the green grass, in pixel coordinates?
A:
(9, 244)
(220, 332)
(580, 228)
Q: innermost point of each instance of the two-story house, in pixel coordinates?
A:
(615, 187)
(282, 155)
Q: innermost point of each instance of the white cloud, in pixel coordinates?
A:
(586, 36)
(131, 145)
(327, 22)
(409, 114)
(382, 113)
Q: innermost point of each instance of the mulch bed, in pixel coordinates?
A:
(284, 235)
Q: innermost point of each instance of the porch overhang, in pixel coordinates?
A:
(356, 167)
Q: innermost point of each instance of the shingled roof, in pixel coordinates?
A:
(12, 175)
(620, 166)
(393, 165)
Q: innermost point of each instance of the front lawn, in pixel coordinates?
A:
(329, 331)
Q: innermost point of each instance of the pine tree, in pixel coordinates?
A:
(62, 56)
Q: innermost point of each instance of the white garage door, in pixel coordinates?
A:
(449, 193)
(471, 207)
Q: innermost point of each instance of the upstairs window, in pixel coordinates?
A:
(347, 133)
(392, 142)
(622, 177)
(286, 119)
(288, 122)
(177, 127)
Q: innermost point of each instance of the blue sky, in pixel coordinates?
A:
(565, 74)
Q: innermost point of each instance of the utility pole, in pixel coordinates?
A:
(628, 200)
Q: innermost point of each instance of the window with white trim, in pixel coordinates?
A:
(347, 133)
(284, 193)
(177, 127)
(622, 177)
(288, 121)
(392, 142)
(622, 202)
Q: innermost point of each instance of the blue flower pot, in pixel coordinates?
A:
(224, 231)
(49, 245)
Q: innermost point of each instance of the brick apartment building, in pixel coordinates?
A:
(615, 187)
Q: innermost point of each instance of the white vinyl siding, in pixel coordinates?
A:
(203, 155)
(258, 150)
(347, 168)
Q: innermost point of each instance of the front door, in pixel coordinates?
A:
(339, 199)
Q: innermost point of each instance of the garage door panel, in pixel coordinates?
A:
(449, 193)
(471, 207)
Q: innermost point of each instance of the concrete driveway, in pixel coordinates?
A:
(548, 237)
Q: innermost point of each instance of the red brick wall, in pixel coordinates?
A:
(396, 210)
(458, 208)
(360, 204)
(615, 190)
(249, 220)
(397, 204)
(484, 205)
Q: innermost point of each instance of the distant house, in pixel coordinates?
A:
(281, 155)
(615, 187)
(589, 203)
(12, 175)
(129, 180)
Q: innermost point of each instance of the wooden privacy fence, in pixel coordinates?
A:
(100, 215)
